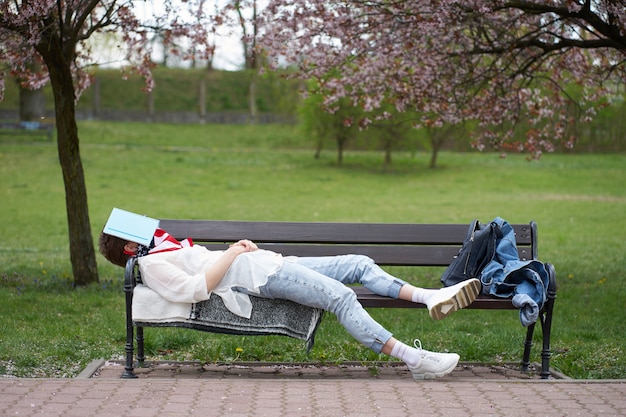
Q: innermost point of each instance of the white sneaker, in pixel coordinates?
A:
(432, 364)
(450, 299)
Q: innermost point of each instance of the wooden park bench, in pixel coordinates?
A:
(415, 245)
(42, 128)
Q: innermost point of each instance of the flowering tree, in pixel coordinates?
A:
(52, 35)
(498, 62)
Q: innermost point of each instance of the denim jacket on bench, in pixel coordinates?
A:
(508, 276)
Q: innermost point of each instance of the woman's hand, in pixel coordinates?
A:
(216, 272)
(244, 245)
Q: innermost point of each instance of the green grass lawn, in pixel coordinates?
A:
(48, 328)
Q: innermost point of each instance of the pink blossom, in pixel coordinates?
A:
(496, 62)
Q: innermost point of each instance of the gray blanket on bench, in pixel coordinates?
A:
(269, 317)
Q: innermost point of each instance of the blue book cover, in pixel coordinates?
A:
(131, 226)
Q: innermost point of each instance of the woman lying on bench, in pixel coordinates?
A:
(184, 272)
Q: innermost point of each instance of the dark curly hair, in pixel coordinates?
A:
(112, 248)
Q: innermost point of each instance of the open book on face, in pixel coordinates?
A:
(131, 226)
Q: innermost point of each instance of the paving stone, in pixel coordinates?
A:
(193, 389)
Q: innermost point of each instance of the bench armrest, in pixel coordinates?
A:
(130, 277)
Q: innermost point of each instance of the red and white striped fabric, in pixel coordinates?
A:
(164, 242)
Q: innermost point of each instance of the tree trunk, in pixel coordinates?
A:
(318, 148)
(96, 99)
(202, 100)
(82, 253)
(437, 139)
(32, 102)
(252, 94)
(433, 157)
(340, 143)
(32, 105)
(388, 150)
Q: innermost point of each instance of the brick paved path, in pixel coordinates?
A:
(235, 396)
(193, 389)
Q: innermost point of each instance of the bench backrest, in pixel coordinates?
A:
(386, 243)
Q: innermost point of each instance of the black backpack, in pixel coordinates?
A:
(479, 248)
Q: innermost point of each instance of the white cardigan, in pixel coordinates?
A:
(178, 275)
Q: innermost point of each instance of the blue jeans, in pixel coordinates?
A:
(320, 282)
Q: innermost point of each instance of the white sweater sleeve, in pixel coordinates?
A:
(172, 282)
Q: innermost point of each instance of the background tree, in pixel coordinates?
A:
(324, 124)
(53, 34)
(498, 62)
(439, 136)
(249, 35)
(395, 132)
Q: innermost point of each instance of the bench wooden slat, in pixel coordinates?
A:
(338, 233)
(384, 255)
(369, 299)
(409, 255)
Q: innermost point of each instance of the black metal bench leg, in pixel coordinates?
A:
(546, 324)
(546, 330)
(140, 347)
(528, 344)
(128, 369)
(128, 290)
